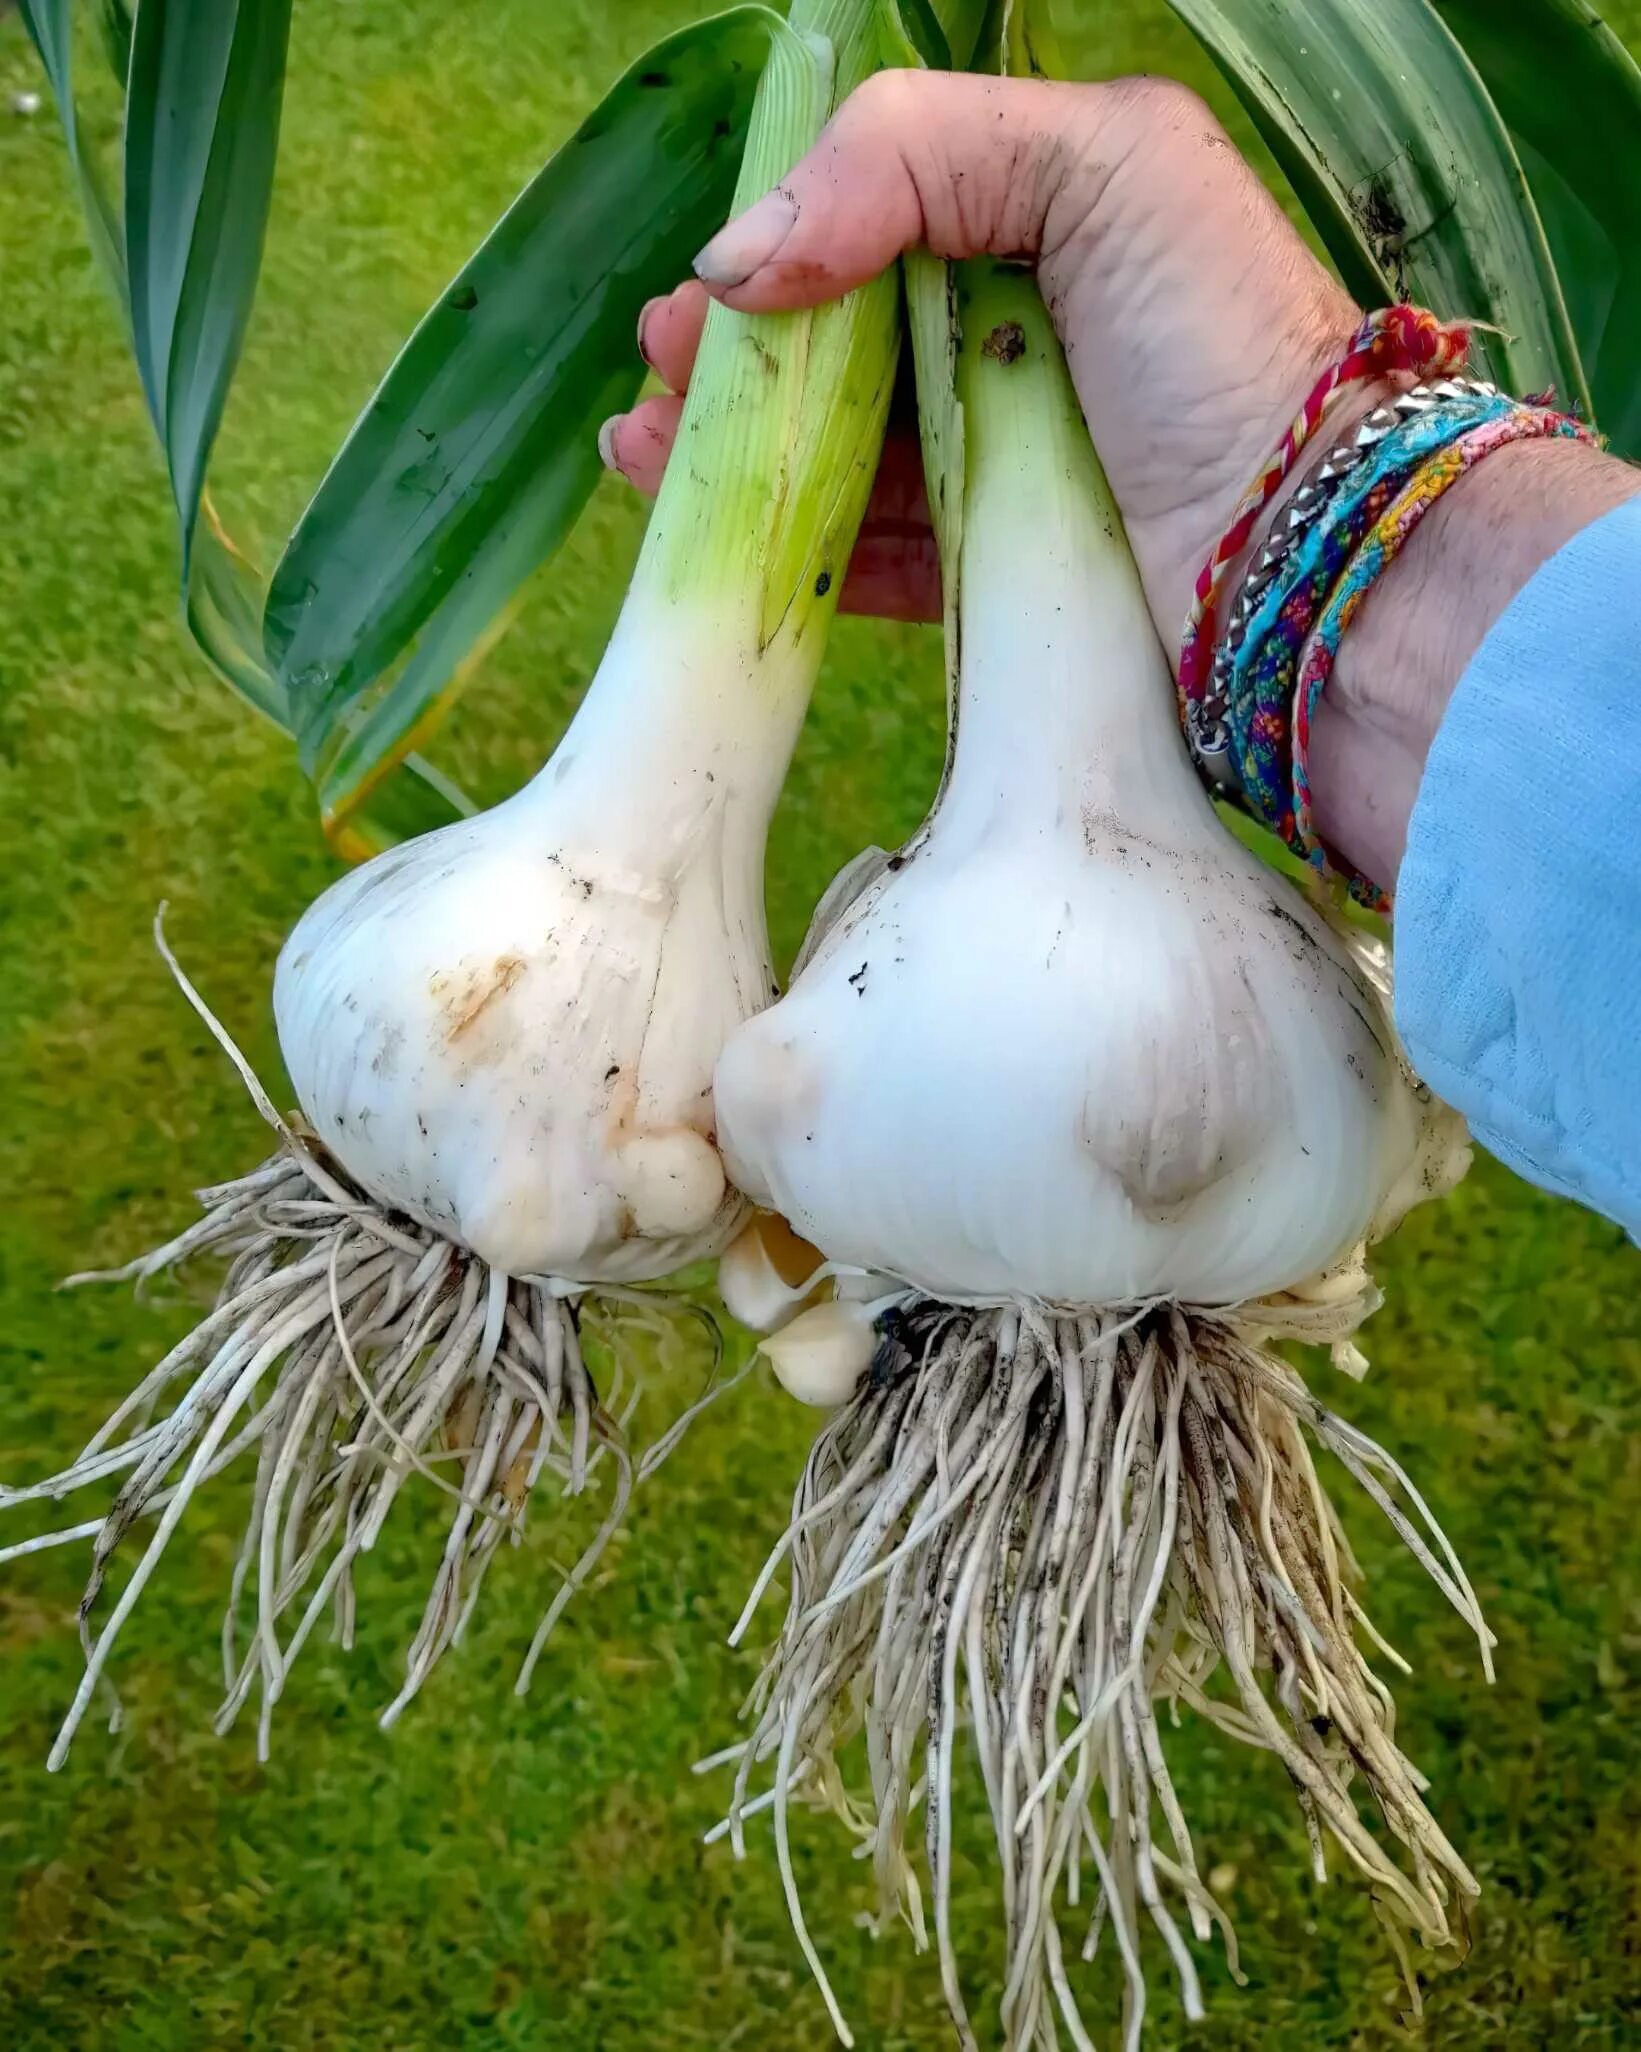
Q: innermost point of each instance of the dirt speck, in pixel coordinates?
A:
(386, 1058)
(1385, 226)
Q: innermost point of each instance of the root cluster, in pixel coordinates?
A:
(1021, 1534)
(347, 1349)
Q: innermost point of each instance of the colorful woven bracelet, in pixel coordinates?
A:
(1378, 551)
(1309, 505)
(1395, 338)
(1262, 672)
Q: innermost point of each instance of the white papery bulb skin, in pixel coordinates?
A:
(1077, 1044)
(507, 1029)
(1127, 1072)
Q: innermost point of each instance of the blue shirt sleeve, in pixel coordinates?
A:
(1518, 905)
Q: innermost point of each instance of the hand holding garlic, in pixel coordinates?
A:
(1193, 319)
(1072, 1109)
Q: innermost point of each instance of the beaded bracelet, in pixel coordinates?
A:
(1310, 503)
(1247, 704)
(1319, 588)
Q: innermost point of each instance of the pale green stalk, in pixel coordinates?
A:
(776, 451)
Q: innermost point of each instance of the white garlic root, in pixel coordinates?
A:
(1025, 1531)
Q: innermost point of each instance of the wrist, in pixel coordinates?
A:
(1423, 624)
(1337, 432)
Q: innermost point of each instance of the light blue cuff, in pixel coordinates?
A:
(1518, 905)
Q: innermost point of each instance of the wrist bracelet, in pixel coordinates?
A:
(1351, 465)
(1247, 703)
(1395, 338)
(1378, 551)
(1260, 681)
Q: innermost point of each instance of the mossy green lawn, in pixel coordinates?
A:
(500, 1872)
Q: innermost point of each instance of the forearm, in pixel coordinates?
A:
(1431, 611)
(1518, 898)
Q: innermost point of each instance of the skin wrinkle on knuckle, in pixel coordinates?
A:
(948, 223)
(1167, 104)
(1071, 217)
(940, 192)
(1083, 212)
(1032, 186)
(970, 185)
(1009, 205)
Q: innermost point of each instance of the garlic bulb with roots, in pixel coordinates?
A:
(503, 1035)
(1097, 1105)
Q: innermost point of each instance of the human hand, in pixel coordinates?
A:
(1192, 315)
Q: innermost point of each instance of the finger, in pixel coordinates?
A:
(669, 332)
(638, 443)
(965, 165)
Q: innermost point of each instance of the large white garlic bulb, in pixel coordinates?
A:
(507, 1029)
(1076, 1043)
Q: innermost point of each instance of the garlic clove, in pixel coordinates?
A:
(672, 1182)
(767, 1273)
(823, 1353)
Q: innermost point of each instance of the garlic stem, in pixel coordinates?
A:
(1064, 699)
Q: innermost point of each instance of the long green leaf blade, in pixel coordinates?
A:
(201, 135)
(50, 25)
(924, 34)
(223, 605)
(477, 452)
(1570, 94)
(224, 609)
(1399, 157)
(114, 21)
(223, 592)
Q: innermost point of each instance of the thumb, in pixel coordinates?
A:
(964, 165)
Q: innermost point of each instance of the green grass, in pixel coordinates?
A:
(497, 1873)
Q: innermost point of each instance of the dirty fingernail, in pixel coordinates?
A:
(644, 313)
(606, 440)
(748, 243)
